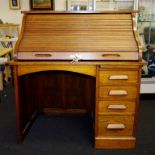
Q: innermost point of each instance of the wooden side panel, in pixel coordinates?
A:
(78, 32)
(25, 109)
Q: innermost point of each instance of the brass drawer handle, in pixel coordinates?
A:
(110, 55)
(42, 55)
(117, 107)
(118, 77)
(118, 93)
(115, 126)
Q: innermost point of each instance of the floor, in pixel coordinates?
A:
(68, 135)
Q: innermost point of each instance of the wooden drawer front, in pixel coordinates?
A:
(117, 93)
(118, 77)
(116, 107)
(115, 125)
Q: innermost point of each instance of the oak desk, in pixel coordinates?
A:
(80, 62)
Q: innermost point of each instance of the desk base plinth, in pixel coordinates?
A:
(115, 143)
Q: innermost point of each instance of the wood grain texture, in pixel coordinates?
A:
(115, 142)
(102, 65)
(60, 87)
(84, 69)
(77, 56)
(104, 121)
(136, 36)
(88, 32)
(58, 90)
(130, 90)
(103, 107)
(105, 77)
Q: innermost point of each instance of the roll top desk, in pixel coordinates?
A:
(79, 62)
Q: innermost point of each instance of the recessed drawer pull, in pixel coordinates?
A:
(118, 93)
(115, 126)
(117, 107)
(118, 77)
(111, 55)
(43, 55)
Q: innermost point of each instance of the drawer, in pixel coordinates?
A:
(115, 125)
(118, 77)
(118, 92)
(116, 107)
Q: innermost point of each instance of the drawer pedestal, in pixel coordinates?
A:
(116, 107)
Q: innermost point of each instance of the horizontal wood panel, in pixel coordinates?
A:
(65, 29)
(79, 24)
(84, 69)
(74, 47)
(115, 142)
(78, 56)
(131, 92)
(102, 65)
(118, 77)
(79, 16)
(68, 33)
(114, 107)
(104, 121)
(60, 91)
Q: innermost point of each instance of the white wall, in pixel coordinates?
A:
(60, 5)
(14, 16)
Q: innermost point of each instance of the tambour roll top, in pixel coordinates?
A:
(78, 32)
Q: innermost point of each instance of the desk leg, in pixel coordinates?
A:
(18, 107)
(25, 111)
(1, 81)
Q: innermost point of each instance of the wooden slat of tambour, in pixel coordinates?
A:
(104, 31)
(83, 23)
(78, 16)
(79, 37)
(81, 41)
(73, 48)
(83, 44)
(84, 28)
(61, 32)
(96, 39)
(104, 24)
(55, 19)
